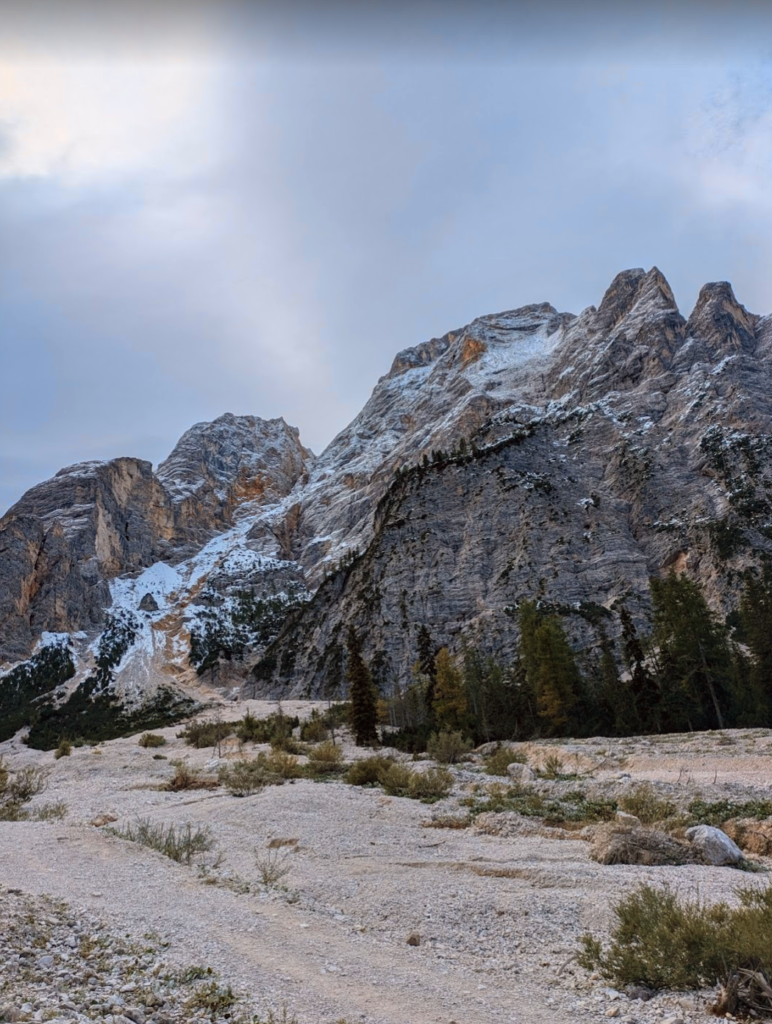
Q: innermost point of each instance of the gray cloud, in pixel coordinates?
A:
(307, 197)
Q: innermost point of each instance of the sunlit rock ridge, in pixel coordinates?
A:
(531, 453)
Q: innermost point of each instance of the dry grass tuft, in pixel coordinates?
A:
(617, 844)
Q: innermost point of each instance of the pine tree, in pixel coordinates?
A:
(694, 655)
(450, 703)
(643, 689)
(550, 668)
(364, 711)
(753, 677)
(427, 667)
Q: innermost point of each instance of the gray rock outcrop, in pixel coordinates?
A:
(714, 846)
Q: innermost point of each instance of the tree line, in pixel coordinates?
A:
(690, 671)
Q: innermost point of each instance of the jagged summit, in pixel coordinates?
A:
(721, 322)
(216, 468)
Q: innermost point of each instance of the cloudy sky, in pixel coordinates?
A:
(250, 208)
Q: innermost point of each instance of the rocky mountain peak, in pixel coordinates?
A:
(721, 322)
(218, 467)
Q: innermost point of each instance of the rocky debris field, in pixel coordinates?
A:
(345, 903)
(67, 968)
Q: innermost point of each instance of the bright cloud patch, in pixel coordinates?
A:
(78, 121)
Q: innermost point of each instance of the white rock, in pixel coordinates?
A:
(520, 772)
(627, 819)
(715, 847)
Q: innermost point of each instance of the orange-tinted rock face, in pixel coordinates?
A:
(751, 835)
(62, 542)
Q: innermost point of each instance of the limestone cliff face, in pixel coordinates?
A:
(62, 542)
(635, 441)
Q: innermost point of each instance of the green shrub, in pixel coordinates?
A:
(205, 734)
(447, 747)
(552, 769)
(314, 730)
(63, 750)
(282, 764)
(179, 842)
(431, 785)
(644, 803)
(497, 762)
(212, 999)
(325, 757)
(369, 770)
(151, 739)
(396, 779)
(722, 810)
(243, 778)
(26, 783)
(18, 789)
(663, 942)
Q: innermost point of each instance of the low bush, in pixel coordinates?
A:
(186, 777)
(205, 734)
(500, 759)
(720, 811)
(315, 729)
(25, 784)
(281, 763)
(63, 750)
(430, 786)
(661, 941)
(552, 768)
(273, 865)
(243, 778)
(574, 807)
(325, 757)
(55, 811)
(447, 747)
(647, 807)
(368, 771)
(151, 739)
(396, 779)
(410, 739)
(276, 729)
(213, 999)
(179, 842)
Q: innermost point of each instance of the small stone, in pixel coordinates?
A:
(613, 1011)
(520, 772)
(627, 819)
(414, 939)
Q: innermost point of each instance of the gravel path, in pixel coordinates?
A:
(498, 916)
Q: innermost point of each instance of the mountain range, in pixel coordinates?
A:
(529, 454)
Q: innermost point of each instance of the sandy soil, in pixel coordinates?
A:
(498, 916)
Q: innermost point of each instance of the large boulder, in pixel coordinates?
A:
(714, 846)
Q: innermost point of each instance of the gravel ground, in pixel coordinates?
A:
(498, 915)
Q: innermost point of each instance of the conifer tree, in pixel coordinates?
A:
(643, 688)
(753, 677)
(427, 667)
(550, 668)
(450, 703)
(694, 655)
(364, 711)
